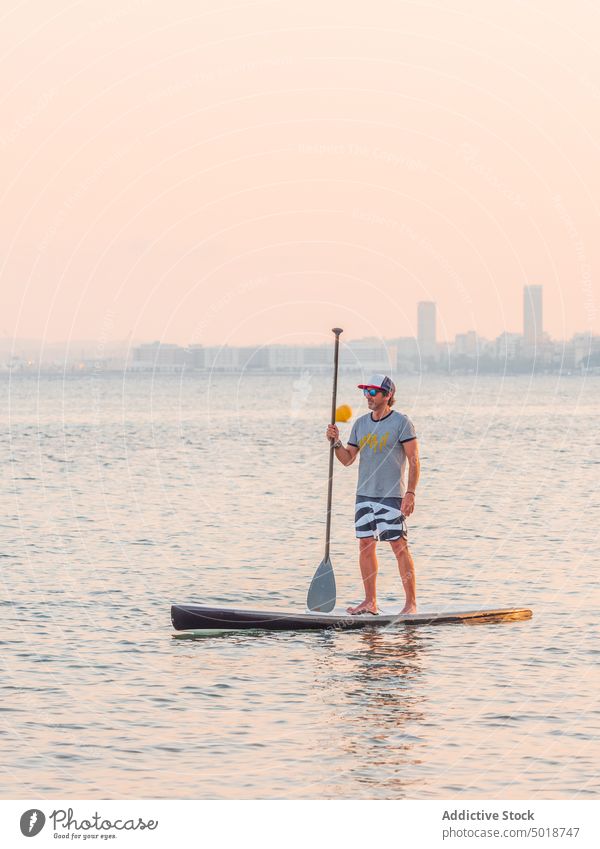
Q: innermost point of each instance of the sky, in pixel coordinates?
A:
(259, 172)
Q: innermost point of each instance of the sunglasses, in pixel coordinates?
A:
(371, 392)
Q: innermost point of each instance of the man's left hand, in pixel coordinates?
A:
(408, 504)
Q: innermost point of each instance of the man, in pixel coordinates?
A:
(386, 440)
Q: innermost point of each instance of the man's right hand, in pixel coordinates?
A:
(332, 432)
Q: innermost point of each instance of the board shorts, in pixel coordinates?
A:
(380, 518)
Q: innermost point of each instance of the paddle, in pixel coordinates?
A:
(322, 592)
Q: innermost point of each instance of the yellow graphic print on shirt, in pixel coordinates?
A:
(373, 442)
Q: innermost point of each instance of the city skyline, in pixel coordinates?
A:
(423, 351)
(425, 326)
(409, 324)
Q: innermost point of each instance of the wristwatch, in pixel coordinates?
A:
(338, 443)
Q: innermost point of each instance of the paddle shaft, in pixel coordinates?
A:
(337, 331)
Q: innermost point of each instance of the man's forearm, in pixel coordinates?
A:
(343, 455)
(414, 468)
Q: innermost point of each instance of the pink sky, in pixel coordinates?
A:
(259, 172)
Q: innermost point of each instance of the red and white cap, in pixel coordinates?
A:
(380, 381)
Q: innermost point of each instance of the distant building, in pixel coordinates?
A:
(532, 317)
(508, 346)
(221, 358)
(371, 354)
(407, 353)
(318, 356)
(467, 344)
(195, 357)
(253, 358)
(426, 330)
(158, 356)
(286, 357)
(582, 352)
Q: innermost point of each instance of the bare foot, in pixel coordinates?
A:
(364, 606)
(409, 608)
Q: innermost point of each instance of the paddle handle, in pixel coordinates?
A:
(336, 354)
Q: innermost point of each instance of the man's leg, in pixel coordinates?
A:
(407, 574)
(368, 570)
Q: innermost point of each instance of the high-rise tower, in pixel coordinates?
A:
(426, 329)
(532, 316)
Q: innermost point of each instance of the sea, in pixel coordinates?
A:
(124, 493)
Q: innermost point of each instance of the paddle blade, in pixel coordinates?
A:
(322, 592)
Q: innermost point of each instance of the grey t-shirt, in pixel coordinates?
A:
(382, 457)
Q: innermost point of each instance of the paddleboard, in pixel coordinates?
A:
(198, 617)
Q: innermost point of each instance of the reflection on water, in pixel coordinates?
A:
(383, 702)
(113, 511)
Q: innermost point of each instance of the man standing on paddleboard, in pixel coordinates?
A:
(386, 441)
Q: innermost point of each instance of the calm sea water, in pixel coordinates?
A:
(122, 495)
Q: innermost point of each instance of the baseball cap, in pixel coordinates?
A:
(379, 381)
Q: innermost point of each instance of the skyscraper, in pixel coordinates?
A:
(532, 316)
(426, 329)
